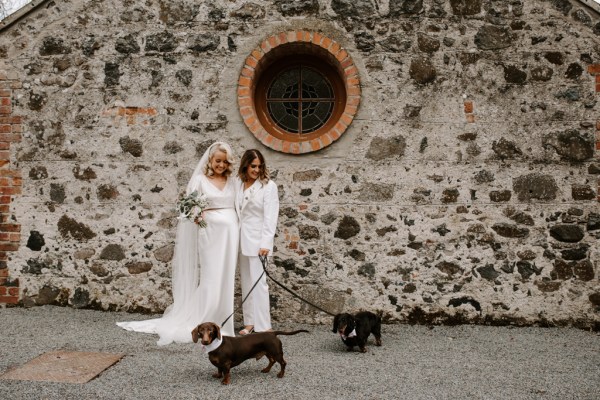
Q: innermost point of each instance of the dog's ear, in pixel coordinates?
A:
(217, 331)
(336, 322)
(195, 335)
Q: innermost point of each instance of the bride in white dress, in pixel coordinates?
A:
(205, 259)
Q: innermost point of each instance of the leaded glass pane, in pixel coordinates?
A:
(315, 85)
(285, 85)
(314, 117)
(285, 114)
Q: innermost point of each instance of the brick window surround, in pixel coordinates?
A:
(279, 48)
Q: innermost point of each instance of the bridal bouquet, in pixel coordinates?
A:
(192, 207)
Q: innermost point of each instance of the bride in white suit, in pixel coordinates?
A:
(258, 208)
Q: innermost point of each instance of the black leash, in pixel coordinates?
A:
(255, 283)
(265, 262)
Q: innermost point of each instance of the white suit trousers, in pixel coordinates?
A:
(256, 307)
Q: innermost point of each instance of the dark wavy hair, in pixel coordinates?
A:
(247, 158)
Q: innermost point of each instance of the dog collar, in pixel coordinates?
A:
(213, 346)
(351, 334)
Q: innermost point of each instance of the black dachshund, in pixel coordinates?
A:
(355, 329)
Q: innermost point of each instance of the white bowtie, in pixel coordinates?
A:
(351, 334)
(213, 346)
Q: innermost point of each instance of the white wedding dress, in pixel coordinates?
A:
(203, 268)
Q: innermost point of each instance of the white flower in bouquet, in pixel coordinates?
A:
(192, 207)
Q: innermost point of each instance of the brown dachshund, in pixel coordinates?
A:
(232, 351)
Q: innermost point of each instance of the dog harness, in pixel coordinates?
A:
(351, 334)
(213, 346)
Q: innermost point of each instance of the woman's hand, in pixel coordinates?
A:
(263, 252)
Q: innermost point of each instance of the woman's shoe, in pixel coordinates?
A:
(246, 331)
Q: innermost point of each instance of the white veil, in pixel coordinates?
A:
(178, 319)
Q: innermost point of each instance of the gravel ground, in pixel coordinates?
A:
(415, 362)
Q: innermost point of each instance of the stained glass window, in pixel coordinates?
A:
(300, 100)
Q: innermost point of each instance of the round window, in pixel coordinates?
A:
(298, 92)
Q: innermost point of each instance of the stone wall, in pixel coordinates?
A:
(465, 190)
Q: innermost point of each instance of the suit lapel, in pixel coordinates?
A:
(250, 193)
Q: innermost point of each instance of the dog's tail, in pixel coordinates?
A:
(289, 333)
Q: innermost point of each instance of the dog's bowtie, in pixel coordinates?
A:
(212, 346)
(351, 334)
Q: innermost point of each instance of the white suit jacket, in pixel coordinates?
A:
(258, 209)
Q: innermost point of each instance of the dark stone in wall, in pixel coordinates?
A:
(367, 270)
(468, 58)
(427, 43)
(328, 218)
(527, 255)
(567, 233)
(396, 44)
(535, 187)
(548, 286)
(526, 269)
(162, 42)
(131, 146)
(99, 270)
(593, 222)
(574, 71)
(409, 288)
(112, 252)
(387, 229)
(400, 7)
(204, 42)
(87, 175)
(165, 253)
(520, 217)
(584, 270)
(514, 75)
(376, 192)
(173, 12)
(493, 37)
(47, 295)
(422, 70)
(57, 193)
(37, 173)
(90, 45)
(364, 41)
(582, 192)
(355, 9)
(297, 7)
(347, 228)
(184, 76)
(308, 232)
(583, 17)
(563, 6)
(449, 268)
(357, 255)
(288, 212)
(595, 299)
(570, 144)
(484, 176)
(81, 298)
(541, 74)
(575, 254)
(555, 57)
(510, 230)
(127, 45)
(53, 46)
(111, 74)
(37, 101)
(382, 148)
(172, 148)
(78, 231)
(465, 7)
(135, 267)
(500, 195)
(488, 272)
(505, 149)
(594, 169)
(450, 195)
(306, 176)
(107, 192)
(35, 241)
(249, 11)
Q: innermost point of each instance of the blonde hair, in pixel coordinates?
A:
(223, 147)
